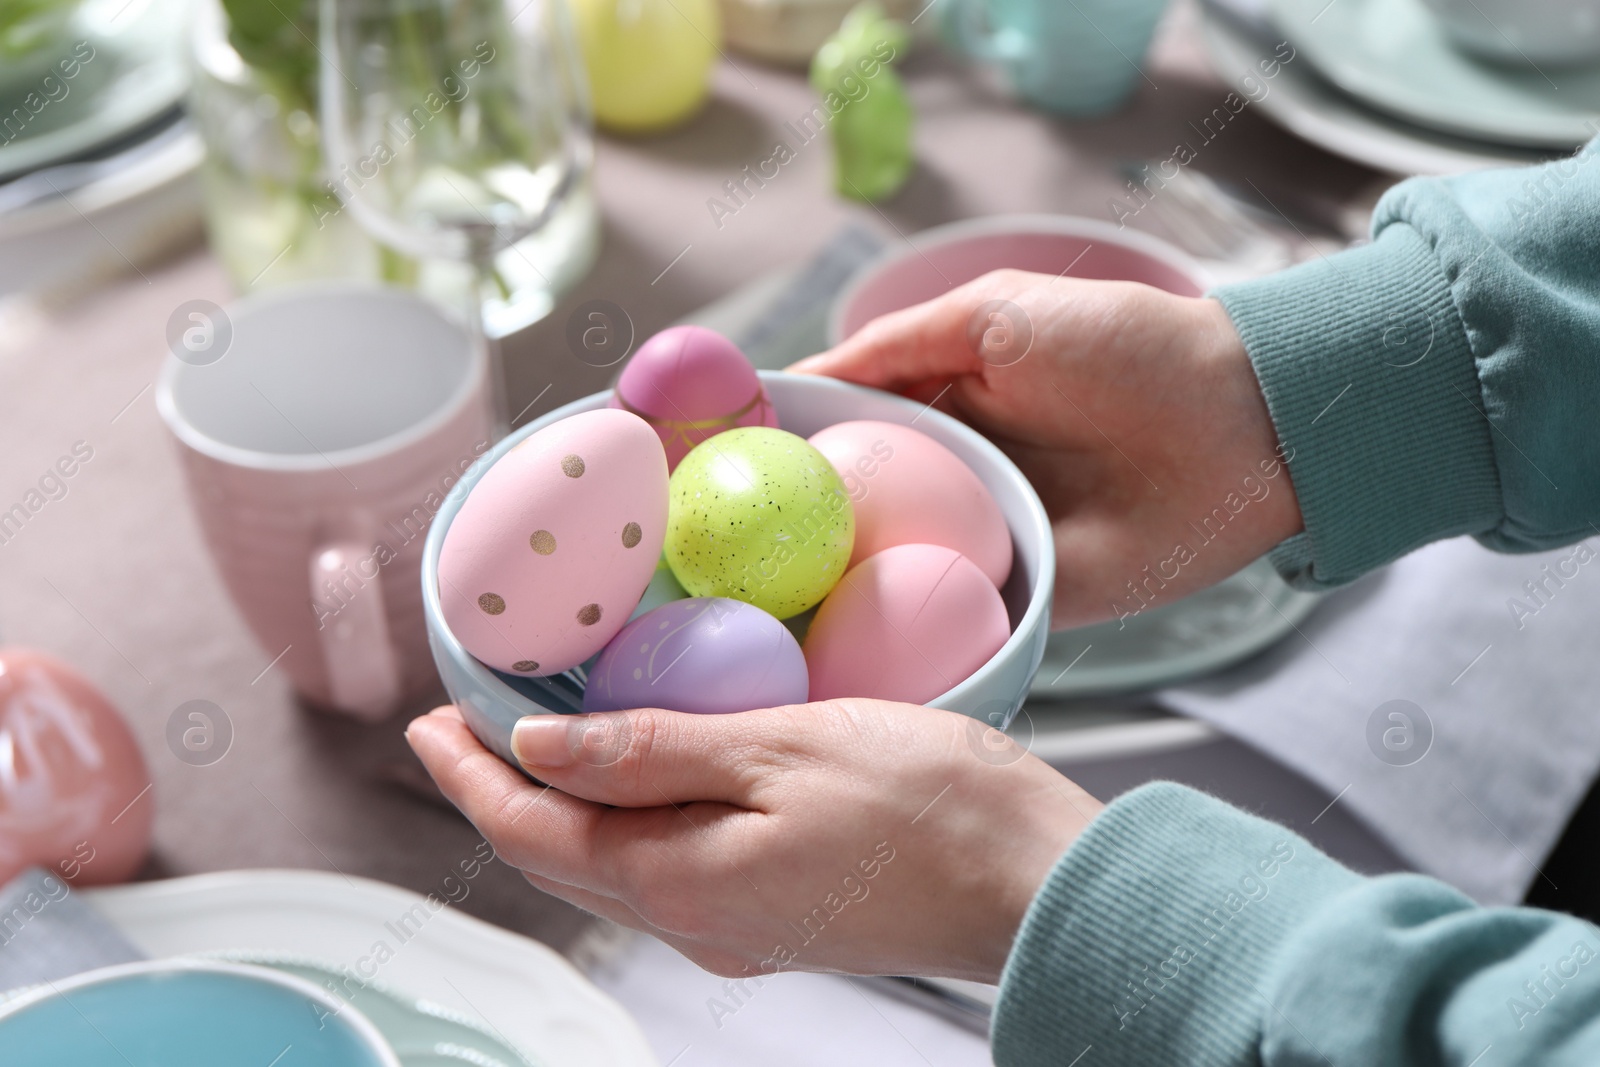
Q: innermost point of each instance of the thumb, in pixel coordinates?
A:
(905, 348)
(943, 338)
(644, 758)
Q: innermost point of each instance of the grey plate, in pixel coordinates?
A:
(1301, 101)
(1205, 632)
(1393, 55)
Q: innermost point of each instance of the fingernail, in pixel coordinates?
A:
(542, 741)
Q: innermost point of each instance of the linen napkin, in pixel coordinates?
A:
(795, 324)
(1449, 700)
(692, 1018)
(47, 932)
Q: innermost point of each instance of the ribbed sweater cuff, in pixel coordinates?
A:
(1372, 387)
(1152, 939)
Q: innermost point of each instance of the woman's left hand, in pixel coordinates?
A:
(860, 836)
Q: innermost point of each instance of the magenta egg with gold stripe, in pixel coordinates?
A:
(690, 383)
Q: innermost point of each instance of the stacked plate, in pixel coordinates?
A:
(1386, 83)
(97, 164)
(422, 984)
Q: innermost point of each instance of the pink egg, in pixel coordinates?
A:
(73, 783)
(907, 488)
(690, 383)
(553, 547)
(906, 624)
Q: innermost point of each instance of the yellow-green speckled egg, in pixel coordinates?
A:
(759, 515)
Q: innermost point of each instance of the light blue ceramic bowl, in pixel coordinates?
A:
(1072, 57)
(492, 702)
(187, 1013)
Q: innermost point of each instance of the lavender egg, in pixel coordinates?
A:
(708, 655)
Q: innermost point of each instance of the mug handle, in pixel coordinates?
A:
(967, 27)
(363, 673)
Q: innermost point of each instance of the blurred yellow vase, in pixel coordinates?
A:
(649, 61)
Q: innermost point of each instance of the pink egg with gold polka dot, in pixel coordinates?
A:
(553, 547)
(690, 383)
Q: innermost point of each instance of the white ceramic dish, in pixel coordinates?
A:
(1395, 56)
(1300, 101)
(134, 211)
(520, 989)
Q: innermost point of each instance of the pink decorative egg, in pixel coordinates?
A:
(73, 783)
(553, 547)
(907, 488)
(690, 383)
(906, 624)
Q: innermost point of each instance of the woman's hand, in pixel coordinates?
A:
(1134, 412)
(859, 836)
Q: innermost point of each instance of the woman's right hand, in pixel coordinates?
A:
(1135, 413)
(855, 836)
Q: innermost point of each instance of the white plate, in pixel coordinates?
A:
(1201, 633)
(1299, 100)
(1394, 55)
(521, 990)
(133, 215)
(137, 73)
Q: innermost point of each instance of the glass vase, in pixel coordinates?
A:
(274, 218)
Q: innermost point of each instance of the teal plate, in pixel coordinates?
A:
(135, 72)
(422, 1034)
(1393, 55)
(1202, 633)
(185, 1013)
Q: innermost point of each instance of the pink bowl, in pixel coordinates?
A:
(935, 261)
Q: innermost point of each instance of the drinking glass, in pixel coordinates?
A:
(454, 129)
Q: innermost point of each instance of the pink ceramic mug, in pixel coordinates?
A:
(317, 446)
(931, 263)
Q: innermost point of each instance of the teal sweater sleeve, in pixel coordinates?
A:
(1443, 379)
(1178, 930)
